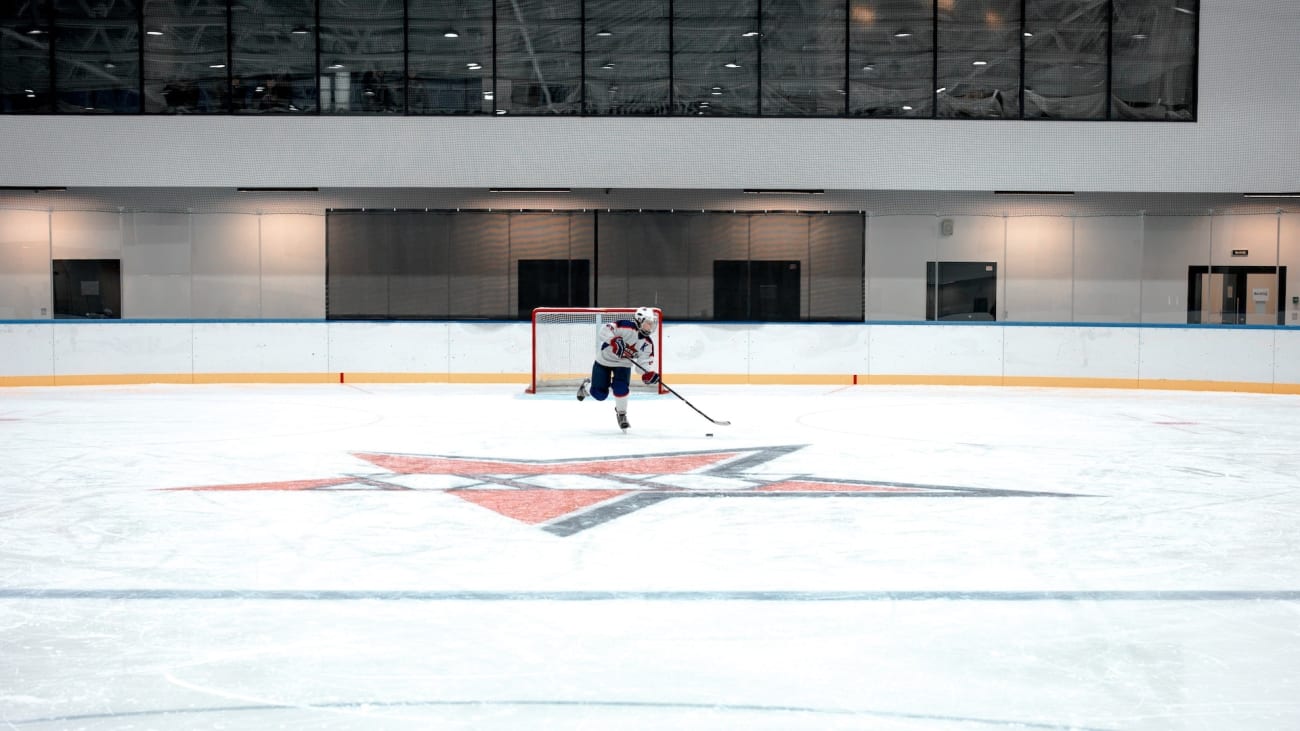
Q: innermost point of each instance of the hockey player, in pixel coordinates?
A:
(618, 344)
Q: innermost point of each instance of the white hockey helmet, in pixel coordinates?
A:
(644, 317)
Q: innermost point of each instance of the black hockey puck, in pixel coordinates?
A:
(709, 434)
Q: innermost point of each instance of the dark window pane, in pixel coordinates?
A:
(362, 59)
(87, 289)
(891, 58)
(450, 57)
(274, 54)
(97, 56)
(627, 57)
(1065, 59)
(803, 58)
(25, 56)
(1154, 58)
(715, 57)
(961, 290)
(552, 283)
(539, 61)
(979, 59)
(185, 57)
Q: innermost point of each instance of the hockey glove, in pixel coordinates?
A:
(649, 378)
(621, 349)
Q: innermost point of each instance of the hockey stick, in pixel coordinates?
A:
(669, 389)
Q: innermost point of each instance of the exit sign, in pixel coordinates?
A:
(1241, 252)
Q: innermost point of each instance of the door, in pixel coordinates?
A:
(1228, 295)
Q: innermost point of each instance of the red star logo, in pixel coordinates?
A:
(566, 496)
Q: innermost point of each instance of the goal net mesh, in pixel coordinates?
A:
(565, 342)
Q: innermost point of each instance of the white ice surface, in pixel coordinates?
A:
(1149, 578)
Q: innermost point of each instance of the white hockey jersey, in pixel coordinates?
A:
(644, 345)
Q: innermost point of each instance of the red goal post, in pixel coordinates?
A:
(564, 345)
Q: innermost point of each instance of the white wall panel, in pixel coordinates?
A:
(1170, 244)
(1286, 356)
(227, 267)
(85, 234)
(956, 350)
(1037, 277)
(270, 347)
(1107, 269)
(155, 296)
(812, 349)
(26, 291)
(700, 348)
(1198, 355)
(1256, 356)
(122, 348)
(1071, 352)
(156, 266)
(898, 248)
(388, 347)
(27, 350)
(1256, 234)
(492, 347)
(293, 266)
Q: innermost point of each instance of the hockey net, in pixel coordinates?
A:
(564, 345)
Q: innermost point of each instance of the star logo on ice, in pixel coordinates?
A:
(567, 496)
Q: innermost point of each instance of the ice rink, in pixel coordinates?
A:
(470, 557)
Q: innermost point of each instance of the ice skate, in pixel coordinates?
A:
(582, 388)
(622, 419)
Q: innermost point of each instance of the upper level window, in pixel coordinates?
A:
(947, 59)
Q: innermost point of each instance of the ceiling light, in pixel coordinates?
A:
(276, 190)
(110, 65)
(153, 32)
(501, 111)
(784, 191)
(604, 33)
(35, 32)
(216, 66)
(749, 34)
(335, 66)
(1033, 192)
(1184, 11)
(906, 108)
(732, 65)
(528, 190)
(451, 34)
(1028, 34)
(300, 30)
(1139, 36)
(979, 63)
(941, 90)
(608, 66)
(903, 34)
(869, 67)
